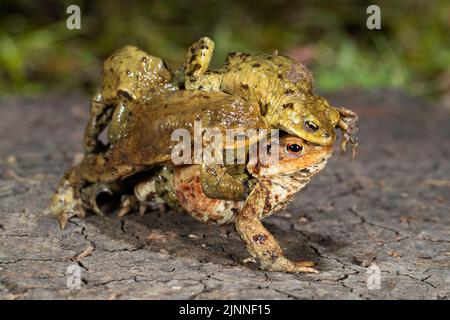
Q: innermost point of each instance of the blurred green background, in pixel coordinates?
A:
(39, 55)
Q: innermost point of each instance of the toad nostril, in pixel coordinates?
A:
(326, 135)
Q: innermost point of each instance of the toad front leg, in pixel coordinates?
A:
(260, 243)
(347, 125)
(218, 184)
(100, 116)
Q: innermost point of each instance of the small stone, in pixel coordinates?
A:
(156, 235)
(303, 220)
(394, 254)
(114, 295)
(11, 160)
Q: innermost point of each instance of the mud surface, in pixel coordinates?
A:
(390, 208)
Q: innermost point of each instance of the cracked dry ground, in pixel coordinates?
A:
(389, 207)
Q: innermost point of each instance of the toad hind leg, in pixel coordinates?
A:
(259, 242)
(67, 202)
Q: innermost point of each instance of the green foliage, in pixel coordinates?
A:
(412, 51)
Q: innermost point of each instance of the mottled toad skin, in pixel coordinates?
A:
(129, 76)
(280, 85)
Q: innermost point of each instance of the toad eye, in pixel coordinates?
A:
(311, 126)
(294, 148)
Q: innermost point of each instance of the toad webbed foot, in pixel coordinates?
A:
(260, 243)
(348, 126)
(65, 203)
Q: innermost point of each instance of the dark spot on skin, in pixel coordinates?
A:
(276, 197)
(289, 105)
(235, 210)
(244, 86)
(326, 135)
(267, 204)
(110, 69)
(288, 92)
(246, 189)
(264, 109)
(256, 168)
(259, 238)
(200, 88)
(280, 76)
(194, 68)
(192, 50)
(192, 58)
(270, 58)
(256, 65)
(231, 54)
(124, 94)
(198, 118)
(274, 256)
(165, 64)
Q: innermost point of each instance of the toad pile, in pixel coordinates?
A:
(143, 102)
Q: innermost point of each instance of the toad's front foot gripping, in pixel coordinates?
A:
(260, 243)
(65, 203)
(348, 126)
(218, 184)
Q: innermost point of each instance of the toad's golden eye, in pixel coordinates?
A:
(311, 126)
(294, 148)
